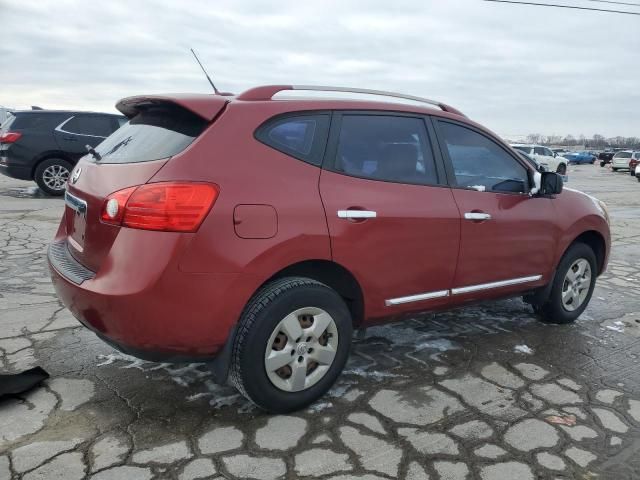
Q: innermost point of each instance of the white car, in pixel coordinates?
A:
(620, 160)
(544, 156)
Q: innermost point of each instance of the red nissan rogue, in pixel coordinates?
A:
(256, 232)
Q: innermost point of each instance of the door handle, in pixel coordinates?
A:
(477, 216)
(356, 214)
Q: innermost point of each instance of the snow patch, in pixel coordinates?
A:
(523, 349)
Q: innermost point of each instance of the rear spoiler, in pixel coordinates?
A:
(206, 106)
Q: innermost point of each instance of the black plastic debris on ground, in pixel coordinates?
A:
(14, 384)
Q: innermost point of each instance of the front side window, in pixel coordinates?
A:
(481, 163)
(387, 148)
(540, 151)
(527, 150)
(300, 136)
(548, 152)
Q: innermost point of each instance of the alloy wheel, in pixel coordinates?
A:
(55, 177)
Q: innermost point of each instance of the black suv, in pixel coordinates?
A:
(44, 145)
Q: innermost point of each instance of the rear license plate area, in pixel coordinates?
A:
(76, 215)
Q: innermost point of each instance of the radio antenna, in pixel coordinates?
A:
(205, 72)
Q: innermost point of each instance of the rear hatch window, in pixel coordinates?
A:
(622, 155)
(158, 131)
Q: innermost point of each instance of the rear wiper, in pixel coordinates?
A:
(93, 152)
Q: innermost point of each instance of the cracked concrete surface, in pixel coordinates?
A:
(450, 396)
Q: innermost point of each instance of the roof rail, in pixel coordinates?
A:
(267, 92)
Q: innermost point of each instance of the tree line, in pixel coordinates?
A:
(597, 142)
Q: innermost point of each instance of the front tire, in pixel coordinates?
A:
(562, 169)
(292, 343)
(572, 285)
(52, 174)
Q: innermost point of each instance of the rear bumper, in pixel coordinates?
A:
(13, 171)
(155, 311)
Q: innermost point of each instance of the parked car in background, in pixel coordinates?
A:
(170, 249)
(536, 165)
(544, 156)
(620, 160)
(633, 162)
(560, 151)
(605, 157)
(580, 157)
(44, 145)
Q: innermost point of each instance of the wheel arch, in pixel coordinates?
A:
(328, 272)
(46, 156)
(333, 275)
(596, 241)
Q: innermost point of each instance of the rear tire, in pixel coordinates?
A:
(614, 169)
(52, 174)
(571, 290)
(309, 364)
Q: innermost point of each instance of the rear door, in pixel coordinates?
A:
(508, 238)
(393, 221)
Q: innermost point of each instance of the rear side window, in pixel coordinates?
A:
(28, 120)
(156, 132)
(387, 148)
(480, 163)
(300, 136)
(91, 125)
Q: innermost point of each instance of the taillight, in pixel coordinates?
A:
(166, 206)
(113, 208)
(10, 137)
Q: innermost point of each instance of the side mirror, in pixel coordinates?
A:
(550, 183)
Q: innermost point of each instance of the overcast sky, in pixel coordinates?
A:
(516, 69)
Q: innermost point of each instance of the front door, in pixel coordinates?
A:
(508, 238)
(393, 222)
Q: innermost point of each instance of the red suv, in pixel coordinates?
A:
(256, 232)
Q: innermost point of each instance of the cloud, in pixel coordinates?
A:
(516, 69)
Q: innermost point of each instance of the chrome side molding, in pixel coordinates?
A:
(488, 286)
(416, 298)
(459, 291)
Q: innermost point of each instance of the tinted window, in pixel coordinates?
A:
(395, 149)
(29, 120)
(480, 162)
(548, 152)
(301, 136)
(622, 155)
(94, 125)
(155, 133)
(527, 150)
(539, 151)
